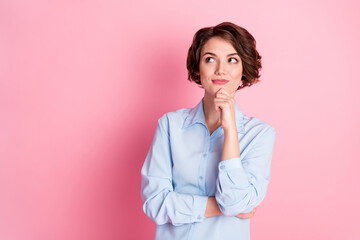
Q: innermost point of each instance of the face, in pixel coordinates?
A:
(220, 66)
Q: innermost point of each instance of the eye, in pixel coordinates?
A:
(209, 59)
(233, 60)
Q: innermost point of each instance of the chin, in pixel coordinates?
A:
(212, 91)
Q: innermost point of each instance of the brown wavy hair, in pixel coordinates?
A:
(243, 42)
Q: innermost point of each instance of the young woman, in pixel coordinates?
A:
(209, 167)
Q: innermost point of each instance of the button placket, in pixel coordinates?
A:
(204, 158)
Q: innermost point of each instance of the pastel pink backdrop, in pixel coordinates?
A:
(82, 84)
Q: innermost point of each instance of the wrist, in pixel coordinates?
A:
(230, 131)
(231, 148)
(212, 208)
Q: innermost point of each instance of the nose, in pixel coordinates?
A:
(220, 69)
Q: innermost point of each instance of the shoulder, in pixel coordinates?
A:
(174, 118)
(256, 127)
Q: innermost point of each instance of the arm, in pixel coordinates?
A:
(213, 210)
(242, 185)
(161, 203)
(231, 150)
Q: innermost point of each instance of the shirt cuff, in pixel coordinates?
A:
(232, 169)
(199, 208)
(230, 163)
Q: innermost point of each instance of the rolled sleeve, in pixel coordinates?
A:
(242, 185)
(200, 203)
(231, 173)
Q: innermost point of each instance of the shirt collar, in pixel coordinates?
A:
(196, 115)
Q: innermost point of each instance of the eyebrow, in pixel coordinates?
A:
(213, 54)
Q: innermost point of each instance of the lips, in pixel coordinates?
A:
(220, 81)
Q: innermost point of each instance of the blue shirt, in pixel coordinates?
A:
(183, 168)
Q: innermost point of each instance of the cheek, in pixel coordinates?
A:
(204, 70)
(237, 73)
(202, 74)
(239, 69)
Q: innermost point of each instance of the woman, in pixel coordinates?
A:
(209, 167)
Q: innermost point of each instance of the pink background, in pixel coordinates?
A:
(82, 84)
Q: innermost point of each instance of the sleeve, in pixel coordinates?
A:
(161, 203)
(242, 185)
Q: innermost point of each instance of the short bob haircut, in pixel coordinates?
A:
(243, 42)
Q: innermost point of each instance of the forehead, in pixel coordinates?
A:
(218, 45)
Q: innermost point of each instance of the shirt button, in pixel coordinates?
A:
(222, 167)
(199, 217)
(204, 155)
(201, 177)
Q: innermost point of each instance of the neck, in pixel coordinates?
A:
(212, 116)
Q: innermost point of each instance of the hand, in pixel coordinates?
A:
(247, 215)
(225, 103)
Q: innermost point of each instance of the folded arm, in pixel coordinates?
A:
(242, 184)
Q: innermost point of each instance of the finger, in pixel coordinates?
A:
(221, 100)
(222, 95)
(220, 90)
(243, 215)
(229, 94)
(224, 103)
(217, 105)
(227, 102)
(220, 103)
(223, 91)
